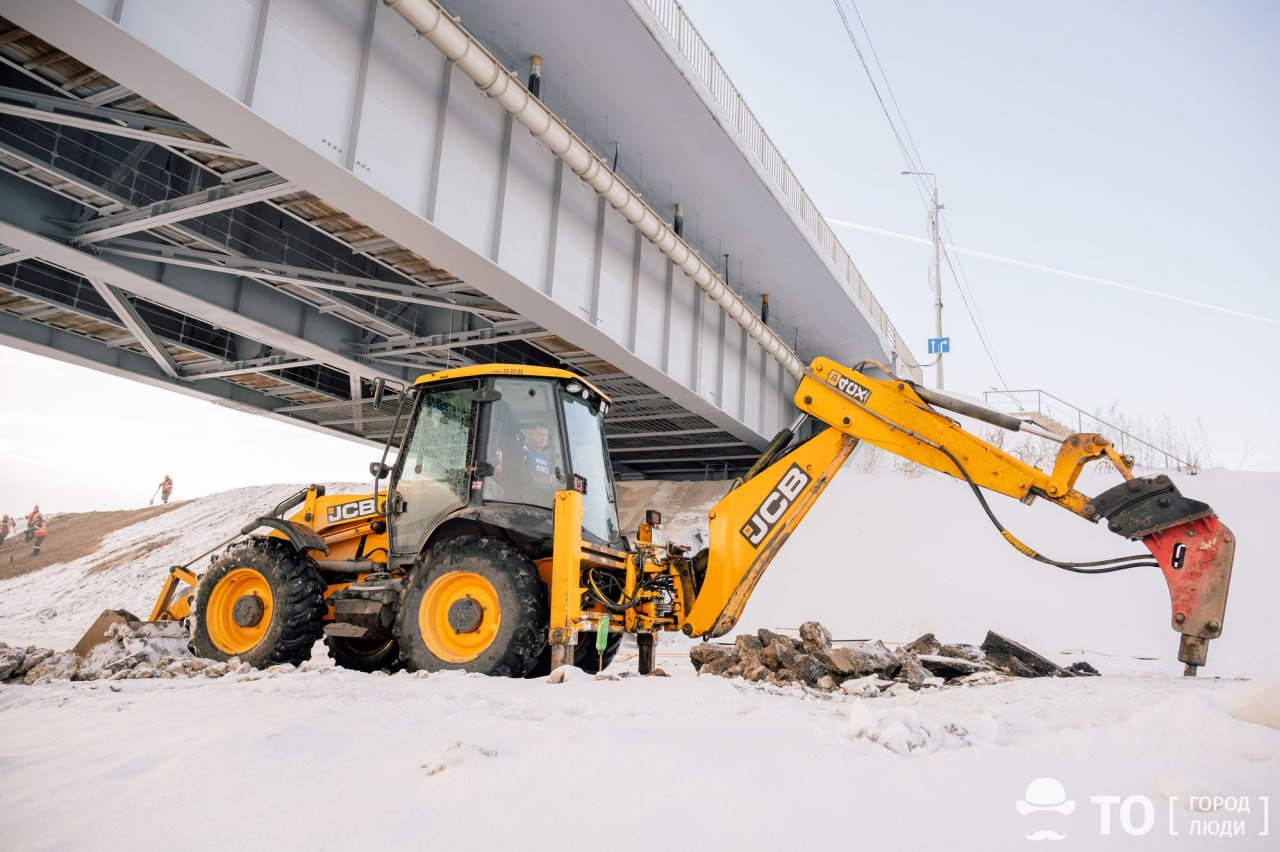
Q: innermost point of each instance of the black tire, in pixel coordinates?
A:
(587, 658)
(698, 568)
(364, 655)
(585, 655)
(468, 637)
(296, 615)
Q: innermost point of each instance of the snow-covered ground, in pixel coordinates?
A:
(325, 758)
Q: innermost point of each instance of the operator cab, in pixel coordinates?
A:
(490, 446)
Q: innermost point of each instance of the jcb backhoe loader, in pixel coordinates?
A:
(495, 544)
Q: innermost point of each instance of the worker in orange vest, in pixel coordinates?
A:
(33, 517)
(166, 488)
(40, 533)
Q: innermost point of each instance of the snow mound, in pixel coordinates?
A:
(1257, 702)
(900, 728)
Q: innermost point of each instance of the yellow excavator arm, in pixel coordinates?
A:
(751, 523)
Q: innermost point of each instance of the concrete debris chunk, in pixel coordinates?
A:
(926, 644)
(1018, 660)
(705, 653)
(767, 637)
(815, 637)
(34, 657)
(949, 667)
(11, 659)
(911, 673)
(867, 658)
(863, 669)
(747, 644)
(972, 653)
(57, 666)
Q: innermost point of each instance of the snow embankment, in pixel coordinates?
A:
(451, 760)
(53, 606)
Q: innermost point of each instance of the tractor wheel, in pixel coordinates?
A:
(364, 655)
(473, 604)
(585, 655)
(263, 604)
(587, 658)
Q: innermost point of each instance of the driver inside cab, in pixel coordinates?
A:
(537, 437)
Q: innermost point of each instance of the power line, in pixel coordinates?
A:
(916, 164)
(871, 78)
(1004, 383)
(887, 85)
(975, 316)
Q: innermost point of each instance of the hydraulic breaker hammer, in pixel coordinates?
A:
(1194, 549)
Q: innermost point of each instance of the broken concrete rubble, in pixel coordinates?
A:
(127, 650)
(868, 669)
(1018, 660)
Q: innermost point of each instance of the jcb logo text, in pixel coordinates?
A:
(775, 505)
(347, 511)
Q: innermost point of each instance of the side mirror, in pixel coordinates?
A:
(379, 388)
(379, 470)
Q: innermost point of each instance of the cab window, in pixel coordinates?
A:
(431, 473)
(590, 457)
(523, 444)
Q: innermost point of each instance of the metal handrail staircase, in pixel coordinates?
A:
(1060, 417)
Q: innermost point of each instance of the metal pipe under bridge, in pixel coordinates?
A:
(271, 203)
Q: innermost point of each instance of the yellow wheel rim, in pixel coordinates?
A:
(239, 611)
(459, 616)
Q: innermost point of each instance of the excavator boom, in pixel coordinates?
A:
(1192, 548)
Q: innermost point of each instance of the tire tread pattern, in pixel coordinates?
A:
(529, 611)
(298, 601)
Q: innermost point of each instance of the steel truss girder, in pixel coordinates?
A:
(114, 202)
(48, 306)
(313, 279)
(135, 120)
(74, 349)
(135, 63)
(370, 321)
(504, 333)
(128, 315)
(250, 365)
(213, 298)
(190, 206)
(164, 140)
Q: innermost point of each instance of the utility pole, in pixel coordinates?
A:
(936, 271)
(937, 277)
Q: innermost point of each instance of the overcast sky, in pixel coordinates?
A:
(1131, 145)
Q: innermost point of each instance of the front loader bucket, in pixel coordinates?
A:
(1195, 551)
(97, 632)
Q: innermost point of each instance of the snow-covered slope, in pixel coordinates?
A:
(52, 607)
(325, 758)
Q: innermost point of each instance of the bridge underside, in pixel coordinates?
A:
(129, 241)
(204, 233)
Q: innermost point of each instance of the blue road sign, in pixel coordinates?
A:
(939, 345)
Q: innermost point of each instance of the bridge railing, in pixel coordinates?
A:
(689, 42)
(1074, 419)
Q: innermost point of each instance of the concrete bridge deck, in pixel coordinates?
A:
(272, 202)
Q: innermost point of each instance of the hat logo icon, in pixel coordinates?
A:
(1045, 794)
